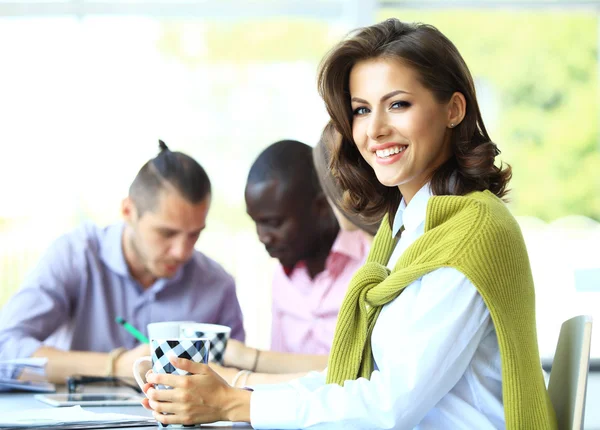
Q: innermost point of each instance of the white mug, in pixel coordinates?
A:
(165, 329)
(161, 349)
(216, 333)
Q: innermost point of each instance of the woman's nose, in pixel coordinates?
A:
(378, 126)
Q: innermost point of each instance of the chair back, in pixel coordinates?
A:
(569, 374)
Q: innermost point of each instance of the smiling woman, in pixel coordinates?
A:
(402, 133)
(421, 105)
(447, 277)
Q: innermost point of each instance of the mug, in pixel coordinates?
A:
(161, 349)
(165, 329)
(217, 334)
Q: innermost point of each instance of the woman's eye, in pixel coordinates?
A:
(360, 111)
(400, 105)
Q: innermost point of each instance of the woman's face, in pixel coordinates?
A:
(398, 126)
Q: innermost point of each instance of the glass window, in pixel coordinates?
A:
(85, 102)
(85, 99)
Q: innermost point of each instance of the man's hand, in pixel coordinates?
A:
(62, 364)
(124, 363)
(239, 355)
(201, 397)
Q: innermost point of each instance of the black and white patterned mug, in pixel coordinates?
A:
(194, 349)
(216, 333)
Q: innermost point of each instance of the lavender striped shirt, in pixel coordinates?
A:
(71, 298)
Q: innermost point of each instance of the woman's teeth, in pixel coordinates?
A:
(385, 153)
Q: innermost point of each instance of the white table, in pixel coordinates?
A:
(21, 401)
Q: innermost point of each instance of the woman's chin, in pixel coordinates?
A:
(388, 181)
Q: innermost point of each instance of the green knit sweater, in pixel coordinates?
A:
(477, 235)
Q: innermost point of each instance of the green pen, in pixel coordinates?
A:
(131, 329)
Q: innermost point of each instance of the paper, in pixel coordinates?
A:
(25, 374)
(69, 417)
(39, 362)
(31, 365)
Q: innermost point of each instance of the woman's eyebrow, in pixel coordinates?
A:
(384, 98)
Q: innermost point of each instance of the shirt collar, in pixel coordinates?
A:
(347, 243)
(413, 215)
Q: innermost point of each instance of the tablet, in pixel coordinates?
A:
(89, 399)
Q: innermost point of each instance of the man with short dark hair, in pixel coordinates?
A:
(144, 270)
(297, 226)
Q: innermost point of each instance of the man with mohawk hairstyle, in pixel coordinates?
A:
(144, 269)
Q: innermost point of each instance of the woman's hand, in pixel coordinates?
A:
(201, 397)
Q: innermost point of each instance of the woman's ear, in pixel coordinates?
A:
(457, 109)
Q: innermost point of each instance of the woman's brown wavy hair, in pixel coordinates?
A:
(443, 71)
(328, 143)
